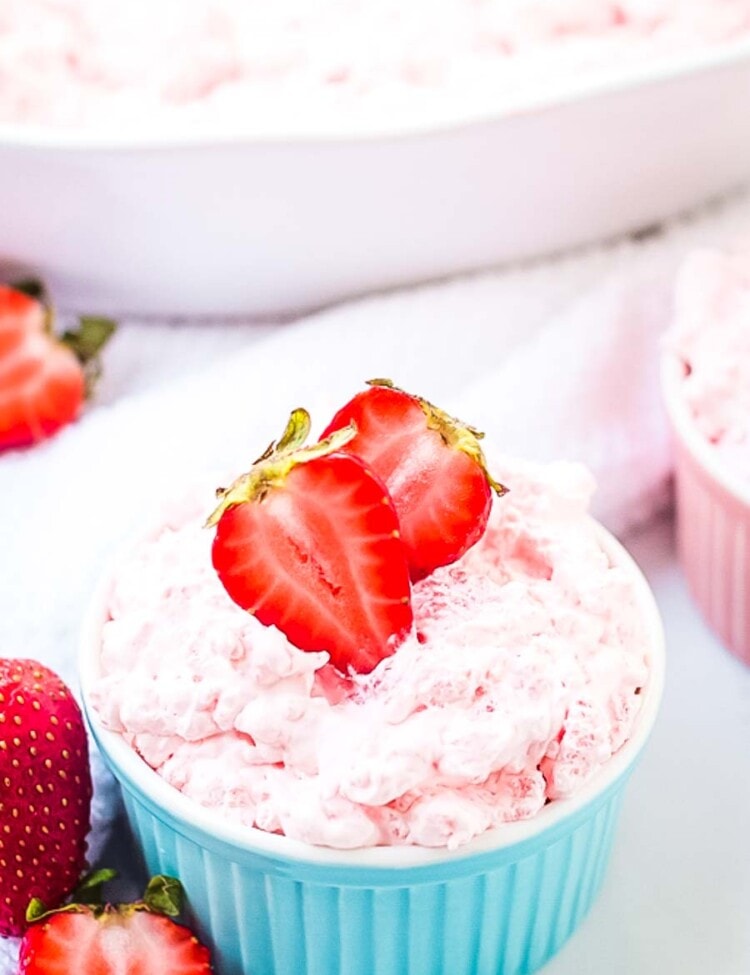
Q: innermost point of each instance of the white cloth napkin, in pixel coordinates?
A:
(554, 360)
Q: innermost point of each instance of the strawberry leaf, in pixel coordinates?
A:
(89, 890)
(276, 461)
(86, 342)
(90, 337)
(32, 287)
(295, 433)
(35, 910)
(164, 895)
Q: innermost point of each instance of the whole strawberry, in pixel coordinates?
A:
(103, 939)
(308, 541)
(45, 790)
(43, 378)
(432, 465)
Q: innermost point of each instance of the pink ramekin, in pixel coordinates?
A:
(713, 522)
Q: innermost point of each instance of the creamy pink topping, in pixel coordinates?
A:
(289, 63)
(520, 680)
(711, 335)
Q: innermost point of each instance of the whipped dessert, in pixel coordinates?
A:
(710, 335)
(519, 679)
(243, 65)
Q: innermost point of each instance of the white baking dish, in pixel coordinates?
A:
(190, 225)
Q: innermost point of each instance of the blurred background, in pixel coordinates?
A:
(493, 202)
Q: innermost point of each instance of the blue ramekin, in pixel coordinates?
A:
(503, 904)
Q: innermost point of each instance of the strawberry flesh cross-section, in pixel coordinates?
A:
(308, 541)
(432, 465)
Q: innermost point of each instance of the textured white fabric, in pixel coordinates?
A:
(557, 359)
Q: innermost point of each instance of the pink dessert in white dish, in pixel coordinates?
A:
(711, 337)
(244, 64)
(520, 678)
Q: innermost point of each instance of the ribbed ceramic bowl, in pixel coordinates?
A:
(269, 905)
(713, 523)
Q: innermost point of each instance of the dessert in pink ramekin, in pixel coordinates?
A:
(706, 381)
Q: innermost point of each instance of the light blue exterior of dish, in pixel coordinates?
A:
(501, 912)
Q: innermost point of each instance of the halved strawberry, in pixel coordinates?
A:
(127, 939)
(308, 541)
(43, 378)
(432, 465)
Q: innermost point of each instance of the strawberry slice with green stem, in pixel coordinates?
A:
(92, 938)
(308, 541)
(432, 465)
(44, 379)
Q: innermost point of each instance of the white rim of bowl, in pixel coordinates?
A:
(662, 69)
(683, 424)
(254, 840)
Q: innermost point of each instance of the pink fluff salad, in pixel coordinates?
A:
(246, 64)
(520, 680)
(711, 337)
